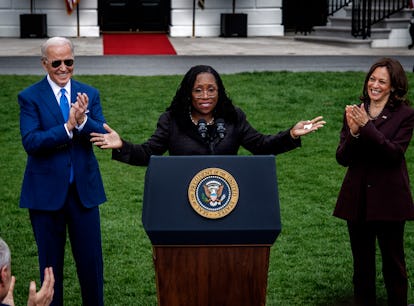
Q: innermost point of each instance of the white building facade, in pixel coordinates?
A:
(264, 17)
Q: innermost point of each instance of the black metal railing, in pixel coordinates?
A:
(366, 13)
(336, 5)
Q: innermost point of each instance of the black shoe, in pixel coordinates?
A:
(410, 46)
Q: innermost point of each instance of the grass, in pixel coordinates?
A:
(310, 262)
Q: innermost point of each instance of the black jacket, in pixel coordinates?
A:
(179, 139)
(376, 186)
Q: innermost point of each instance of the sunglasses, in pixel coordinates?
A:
(57, 63)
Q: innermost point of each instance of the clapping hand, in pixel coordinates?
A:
(42, 298)
(45, 295)
(80, 107)
(356, 117)
(9, 299)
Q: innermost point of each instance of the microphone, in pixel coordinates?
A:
(202, 128)
(221, 130)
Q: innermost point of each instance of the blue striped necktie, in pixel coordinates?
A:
(64, 104)
(64, 107)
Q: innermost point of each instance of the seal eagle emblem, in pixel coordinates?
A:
(213, 193)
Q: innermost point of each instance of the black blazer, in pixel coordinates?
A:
(177, 140)
(376, 185)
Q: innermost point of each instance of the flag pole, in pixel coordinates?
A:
(77, 19)
(194, 6)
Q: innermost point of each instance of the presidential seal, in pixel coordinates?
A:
(213, 193)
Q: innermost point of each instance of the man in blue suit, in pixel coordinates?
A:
(62, 185)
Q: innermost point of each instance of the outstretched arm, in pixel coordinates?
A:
(110, 140)
(305, 127)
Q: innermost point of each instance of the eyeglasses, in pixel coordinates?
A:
(199, 93)
(57, 63)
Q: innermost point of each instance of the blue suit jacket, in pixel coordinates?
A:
(50, 151)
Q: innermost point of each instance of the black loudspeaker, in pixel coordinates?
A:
(233, 25)
(33, 26)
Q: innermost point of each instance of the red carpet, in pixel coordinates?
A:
(136, 44)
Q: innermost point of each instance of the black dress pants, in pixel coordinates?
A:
(390, 236)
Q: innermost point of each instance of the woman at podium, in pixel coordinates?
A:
(202, 120)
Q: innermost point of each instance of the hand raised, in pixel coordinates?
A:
(307, 126)
(9, 299)
(81, 107)
(45, 295)
(110, 140)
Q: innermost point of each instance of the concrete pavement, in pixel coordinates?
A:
(260, 46)
(227, 55)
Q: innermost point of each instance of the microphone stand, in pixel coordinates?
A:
(211, 139)
(218, 135)
(212, 144)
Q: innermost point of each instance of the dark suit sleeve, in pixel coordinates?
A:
(377, 177)
(347, 150)
(139, 154)
(390, 147)
(382, 141)
(95, 115)
(260, 144)
(41, 122)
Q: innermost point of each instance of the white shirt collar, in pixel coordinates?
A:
(56, 88)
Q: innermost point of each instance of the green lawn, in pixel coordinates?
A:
(310, 262)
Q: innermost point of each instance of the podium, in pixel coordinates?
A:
(211, 221)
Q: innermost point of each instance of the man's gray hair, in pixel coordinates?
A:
(56, 41)
(5, 257)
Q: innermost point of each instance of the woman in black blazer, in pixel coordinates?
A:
(202, 120)
(375, 197)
